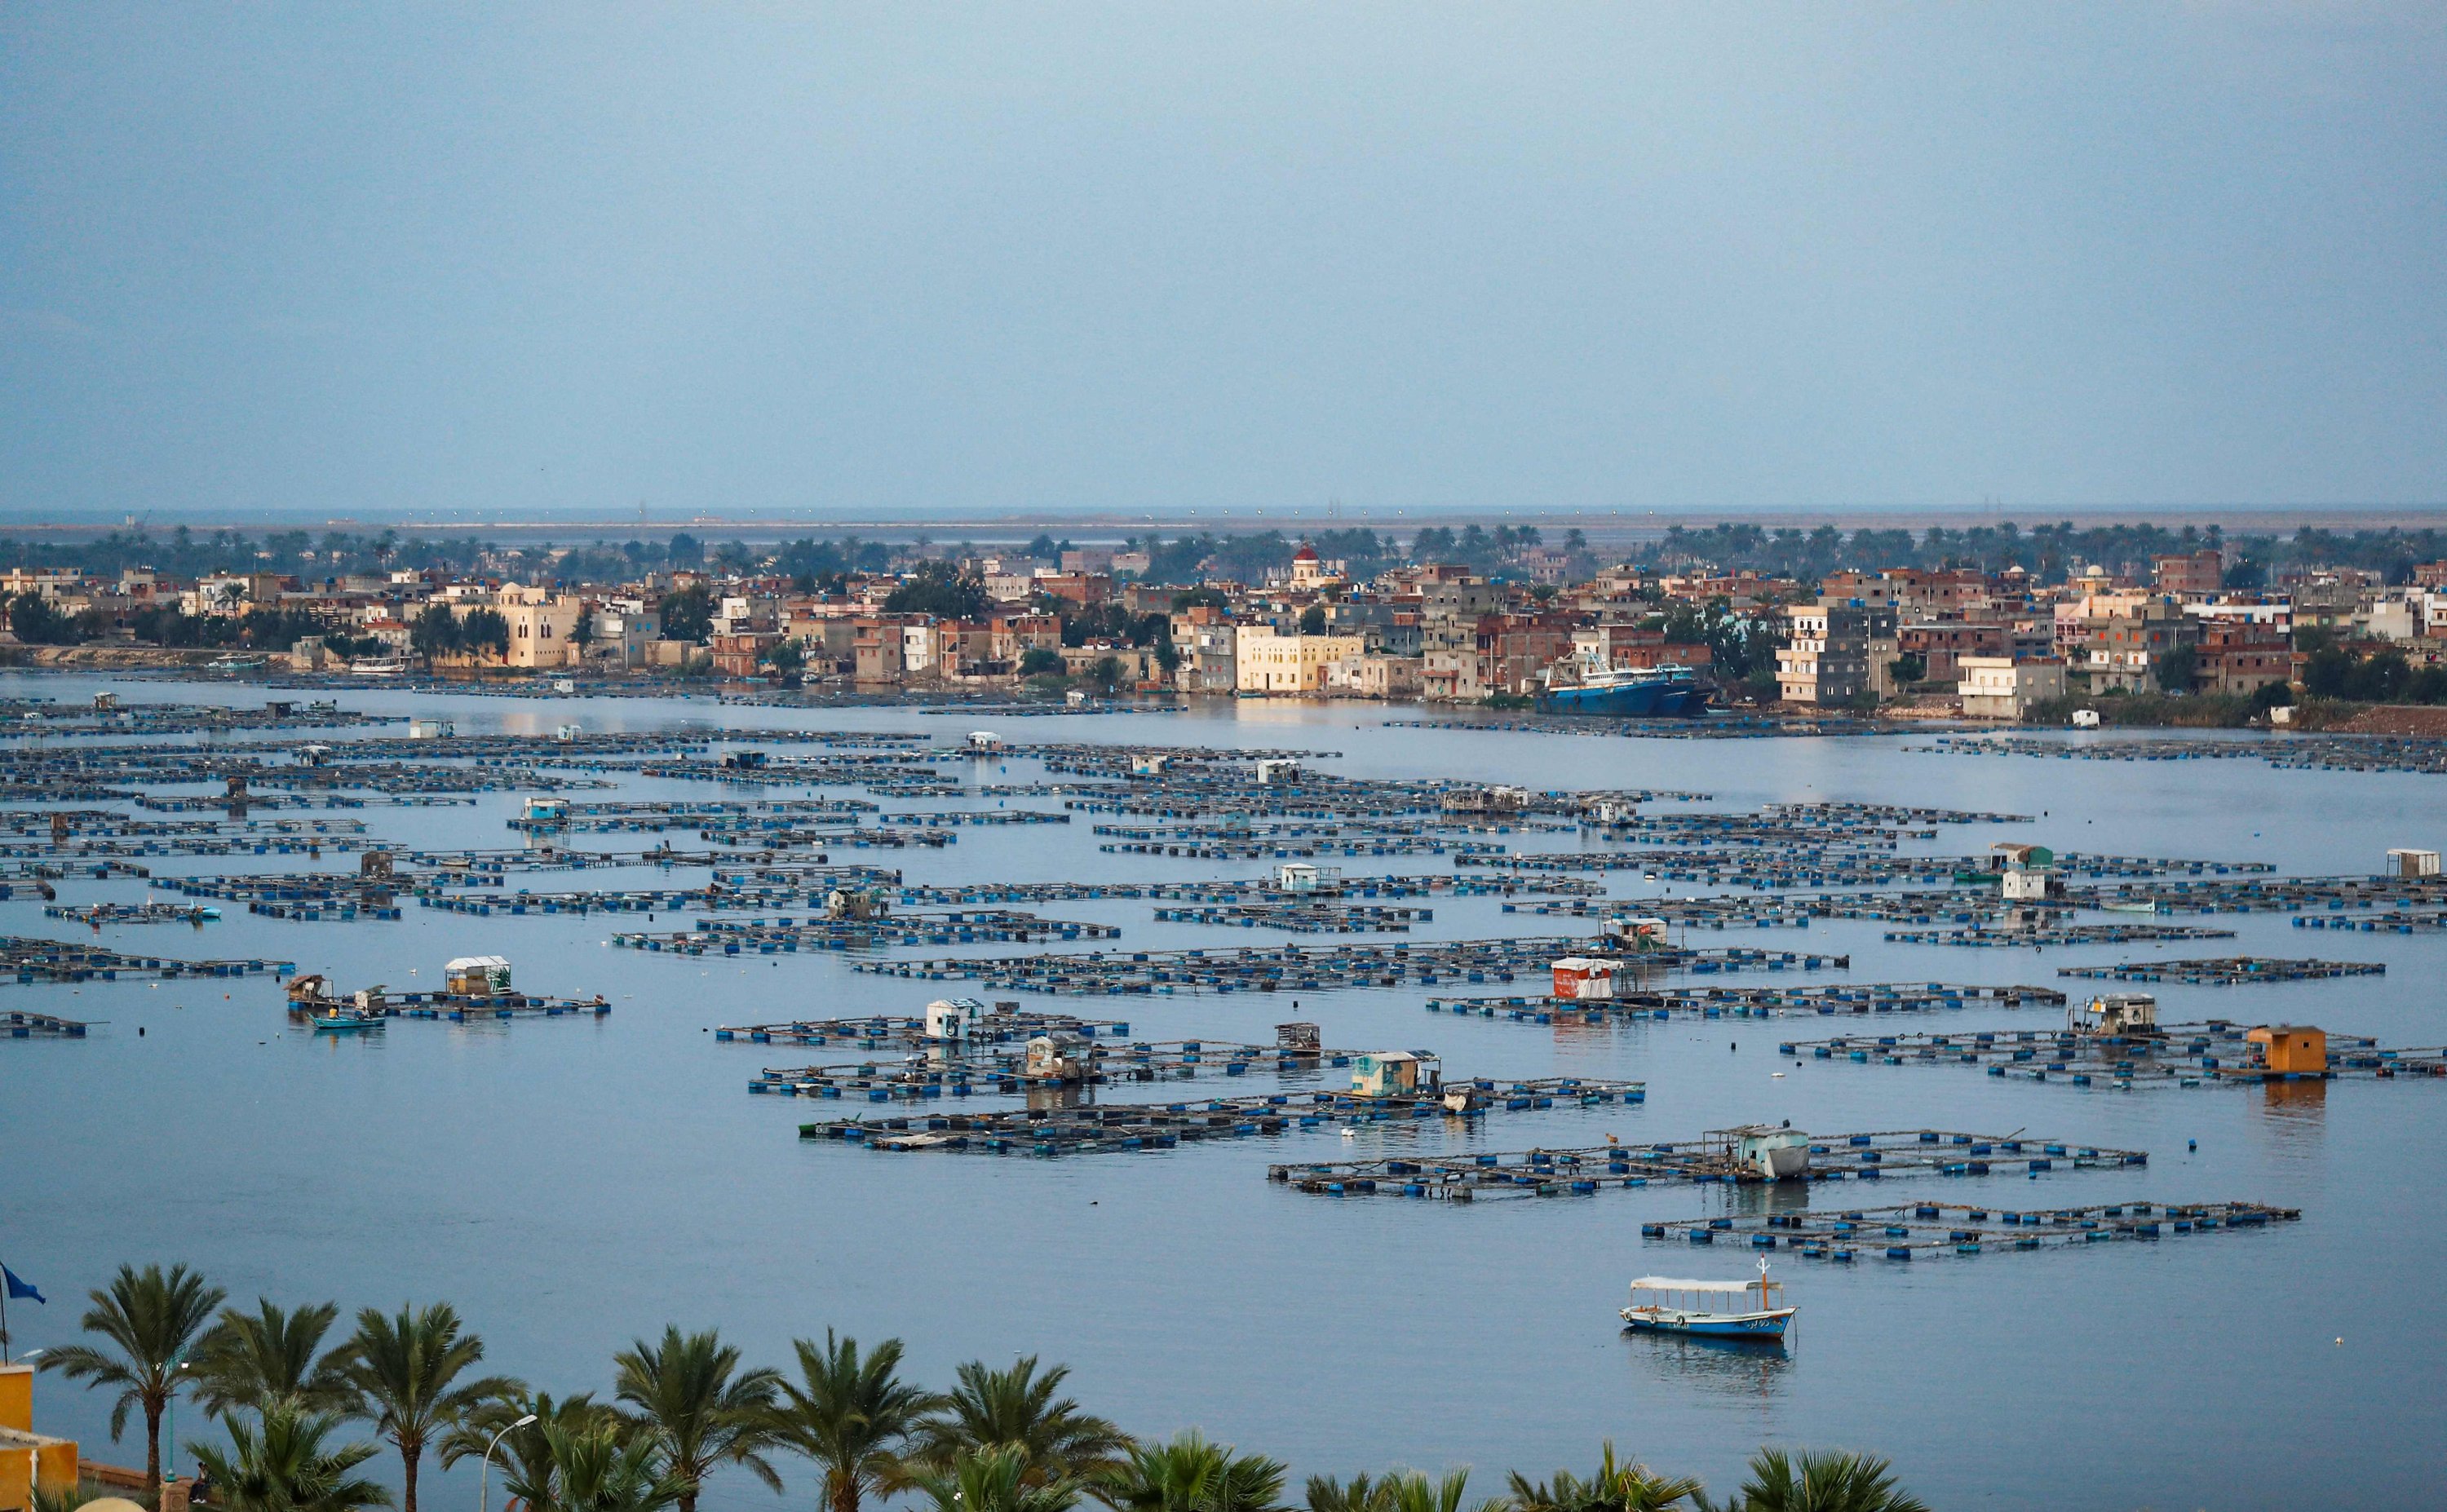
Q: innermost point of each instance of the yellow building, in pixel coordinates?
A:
(1269, 661)
(540, 623)
(28, 1461)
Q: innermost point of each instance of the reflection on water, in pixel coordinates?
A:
(2294, 1117)
(1754, 1367)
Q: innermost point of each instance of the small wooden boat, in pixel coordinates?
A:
(1661, 1304)
(346, 1020)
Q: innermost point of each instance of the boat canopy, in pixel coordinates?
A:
(1667, 1283)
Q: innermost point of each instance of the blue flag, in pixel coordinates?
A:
(19, 1287)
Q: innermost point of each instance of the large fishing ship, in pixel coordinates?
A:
(1632, 692)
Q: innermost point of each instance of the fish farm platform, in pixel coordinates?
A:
(1161, 1125)
(2228, 971)
(26, 961)
(1918, 1229)
(16, 1025)
(1714, 1159)
(890, 1032)
(947, 1073)
(2183, 1055)
(1290, 968)
(1751, 1002)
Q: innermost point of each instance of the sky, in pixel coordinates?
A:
(919, 259)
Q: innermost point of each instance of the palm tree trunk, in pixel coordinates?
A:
(152, 1443)
(844, 1491)
(410, 1452)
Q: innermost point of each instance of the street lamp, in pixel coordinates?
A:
(485, 1472)
(169, 1422)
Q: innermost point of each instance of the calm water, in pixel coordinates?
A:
(571, 1184)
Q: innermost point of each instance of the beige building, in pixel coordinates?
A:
(541, 621)
(1269, 661)
(2001, 687)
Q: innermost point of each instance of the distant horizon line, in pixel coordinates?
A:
(1599, 524)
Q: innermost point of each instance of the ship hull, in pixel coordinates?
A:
(1661, 699)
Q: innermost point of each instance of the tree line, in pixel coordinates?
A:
(686, 1404)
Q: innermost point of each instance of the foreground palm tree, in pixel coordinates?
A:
(268, 1358)
(850, 1415)
(154, 1317)
(1327, 1493)
(1632, 1487)
(1017, 1409)
(704, 1410)
(1191, 1475)
(529, 1473)
(408, 1370)
(1819, 1481)
(995, 1479)
(1413, 1491)
(604, 1467)
(284, 1466)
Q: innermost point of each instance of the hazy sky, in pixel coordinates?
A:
(989, 258)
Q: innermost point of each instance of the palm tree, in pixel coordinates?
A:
(267, 1358)
(850, 1415)
(1615, 1487)
(604, 1467)
(1819, 1481)
(1000, 1479)
(407, 1369)
(283, 1466)
(154, 1317)
(691, 1395)
(1412, 1491)
(1017, 1409)
(1191, 1475)
(529, 1473)
(1327, 1493)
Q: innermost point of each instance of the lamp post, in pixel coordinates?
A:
(484, 1472)
(169, 1420)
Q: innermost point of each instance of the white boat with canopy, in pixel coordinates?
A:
(1664, 1304)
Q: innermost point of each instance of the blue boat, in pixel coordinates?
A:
(1632, 692)
(1662, 1304)
(347, 1021)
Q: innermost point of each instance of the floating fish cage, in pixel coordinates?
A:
(1739, 1157)
(1922, 1230)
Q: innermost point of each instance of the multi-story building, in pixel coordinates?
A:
(2001, 687)
(2125, 651)
(1267, 660)
(2199, 573)
(1836, 652)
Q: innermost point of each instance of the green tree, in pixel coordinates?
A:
(409, 1370)
(997, 1480)
(690, 1394)
(604, 1469)
(1191, 1474)
(483, 630)
(1020, 1409)
(941, 589)
(433, 633)
(154, 1317)
(529, 1473)
(283, 1464)
(1615, 1487)
(788, 658)
(1040, 661)
(849, 1414)
(687, 615)
(1311, 620)
(2175, 667)
(34, 621)
(270, 1359)
(1818, 1481)
(1105, 674)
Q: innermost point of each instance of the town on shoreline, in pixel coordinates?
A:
(2107, 624)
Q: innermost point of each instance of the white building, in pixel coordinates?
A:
(2001, 687)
